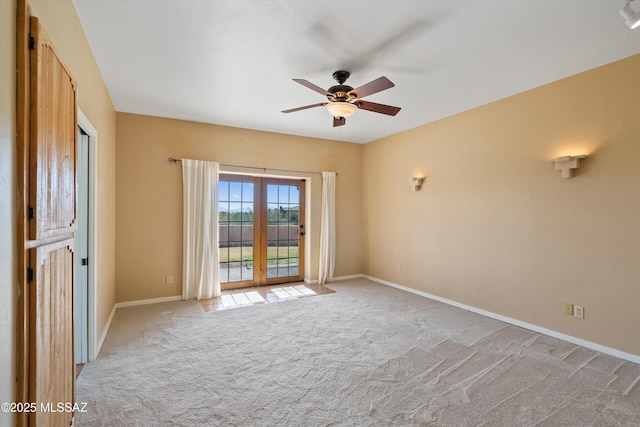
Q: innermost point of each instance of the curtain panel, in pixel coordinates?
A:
(327, 228)
(200, 255)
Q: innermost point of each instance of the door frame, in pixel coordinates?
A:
(89, 129)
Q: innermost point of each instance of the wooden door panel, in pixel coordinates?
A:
(53, 140)
(238, 197)
(282, 240)
(51, 332)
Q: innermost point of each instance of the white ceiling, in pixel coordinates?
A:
(230, 62)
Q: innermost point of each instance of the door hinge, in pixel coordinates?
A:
(32, 42)
(29, 212)
(84, 261)
(29, 275)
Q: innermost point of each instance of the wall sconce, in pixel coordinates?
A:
(416, 183)
(567, 164)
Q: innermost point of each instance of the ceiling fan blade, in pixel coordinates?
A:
(375, 86)
(378, 108)
(311, 86)
(305, 107)
(339, 121)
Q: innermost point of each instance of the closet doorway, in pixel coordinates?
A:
(261, 230)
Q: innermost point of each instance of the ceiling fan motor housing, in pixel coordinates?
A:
(341, 76)
(341, 93)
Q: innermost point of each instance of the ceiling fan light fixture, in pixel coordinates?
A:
(341, 109)
(631, 17)
(345, 100)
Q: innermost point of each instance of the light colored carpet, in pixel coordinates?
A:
(367, 355)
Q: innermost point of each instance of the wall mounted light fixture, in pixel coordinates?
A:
(631, 17)
(567, 164)
(416, 182)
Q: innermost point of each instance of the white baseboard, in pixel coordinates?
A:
(335, 279)
(555, 334)
(148, 301)
(353, 276)
(105, 330)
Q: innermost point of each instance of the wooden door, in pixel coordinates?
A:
(239, 230)
(261, 225)
(47, 140)
(282, 239)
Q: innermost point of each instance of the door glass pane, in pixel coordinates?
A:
(283, 208)
(236, 215)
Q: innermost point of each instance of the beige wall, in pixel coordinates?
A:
(8, 225)
(61, 22)
(149, 193)
(496, 227)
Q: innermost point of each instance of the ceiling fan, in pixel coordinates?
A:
(345, 100)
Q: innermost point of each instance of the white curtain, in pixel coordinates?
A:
(200, 269)
(327, 228)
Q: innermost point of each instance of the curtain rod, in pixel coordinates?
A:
(174, 160)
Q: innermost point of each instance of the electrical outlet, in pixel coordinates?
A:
(568, 309)
(169, 279)
(578, 311)
(397, 268)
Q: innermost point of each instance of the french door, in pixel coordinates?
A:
(261, 226)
